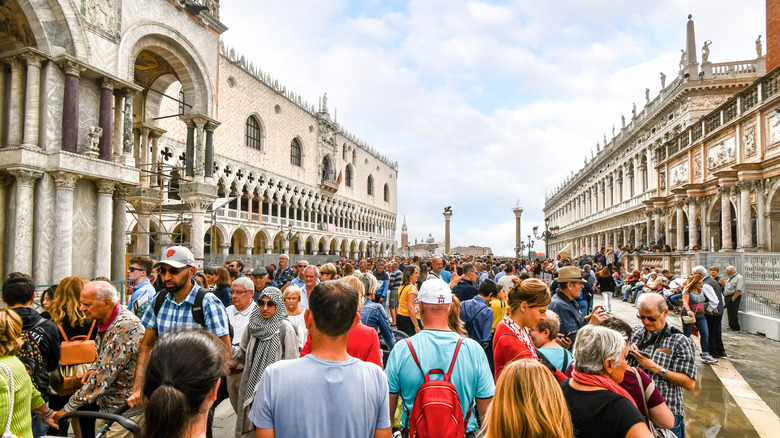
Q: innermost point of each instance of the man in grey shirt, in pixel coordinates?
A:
(732, 295)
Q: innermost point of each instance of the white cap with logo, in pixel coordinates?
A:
(177, 257)
(435, 291)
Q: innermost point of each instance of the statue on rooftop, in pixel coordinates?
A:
(759, 46)
(647, 96)
(705, 52)
(613, 130)
(663, 80)
(633, 110)
(682, 59)
(623, 120)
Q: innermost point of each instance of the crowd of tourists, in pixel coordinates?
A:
(359, 348)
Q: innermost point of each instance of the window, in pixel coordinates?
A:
(387, 193)
(370, 185)
(344, 152)
(354, 156)
(348, 176)
(326, 169)
(253, 134)
(295, 152)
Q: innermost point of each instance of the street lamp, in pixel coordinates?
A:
(290, 236)
(520, 249)
(547, 234)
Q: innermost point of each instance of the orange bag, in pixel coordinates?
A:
(76, 356)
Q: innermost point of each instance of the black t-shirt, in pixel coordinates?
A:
(600, 414)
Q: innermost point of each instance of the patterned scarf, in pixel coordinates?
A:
(521, 334)
(601, 381)
(267, 341)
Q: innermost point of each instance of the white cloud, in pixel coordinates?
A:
(481, 103)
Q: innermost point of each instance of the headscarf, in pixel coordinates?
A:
(268, 340)
(521, 334)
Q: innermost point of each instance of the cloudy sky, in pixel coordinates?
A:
(482, 103)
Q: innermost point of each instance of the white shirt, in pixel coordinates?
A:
(709, 292)
(239, 321)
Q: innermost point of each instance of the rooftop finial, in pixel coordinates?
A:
(690, 16)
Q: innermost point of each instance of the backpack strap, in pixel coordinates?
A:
(414, 356)
(197, 308)
(565, 360)
(158, 302)
(454, 357)
(89, 335)
(64, 336)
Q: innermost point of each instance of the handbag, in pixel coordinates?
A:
(646, 392)
(7, 432)
(76, 357)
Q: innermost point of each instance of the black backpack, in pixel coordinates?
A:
(31, 357)
(197, 308)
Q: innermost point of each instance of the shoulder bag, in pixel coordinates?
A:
(7, 432)
(646, 392)
(76, 356)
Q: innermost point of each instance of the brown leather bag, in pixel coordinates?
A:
(76, 356)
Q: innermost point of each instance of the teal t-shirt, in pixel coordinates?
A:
(556, 357)
(434, 348)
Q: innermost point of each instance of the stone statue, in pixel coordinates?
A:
(613, 130)
(682, 59)
(448, 210)
(605, 141)
(592, 155)
(633, 110)
(759, 46)
(95, 132)
(598, 147)
(647, 96)
(663, 80)
(325, 103)
(623, 120)
(705, 52)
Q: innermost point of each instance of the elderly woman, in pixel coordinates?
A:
(599, 406)
(25, 396)
(269, 337)
(292, 301)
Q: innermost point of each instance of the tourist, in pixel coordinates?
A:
(437, 270)
(269, 337)
(222, 285)
(238, 266)
(732, 294)
(466, 290)
(497, 301)
(238, 315)
(396, 276)
(284, 275)
(310, 275)
(671, 372)
(570, 285)
(599, 407)
(26, 398)
(181, 383)
(606, 285)
(295, 399)
(292, 300)
(545, 338)
(694, 306)
(477, 315)
(408, 316)
(713, 289)
(138, 275)
(260, 280)
(328, 272)
(506, 280)
(383, 280)
(527, 386)
(372, 313)
(437, 347)
(300, 267)
(109, 382)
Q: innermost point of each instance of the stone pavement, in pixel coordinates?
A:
(737, 397)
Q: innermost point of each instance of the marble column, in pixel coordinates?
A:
(118, 237)
(16, 105)
(32, 106)
(447, 216)
(224, 249)
(761, 232)
(200, 149)
(65, 182)
(23, 250)
(657, 225)
(614, 239)
(680, 225)
(269, 249)
(103, 237)
(127, 134)
(105, 117)
(209, 170)
(248, 250)
(189, 153)
(119, 127)
(518, 211)
(197, 225)
(745, 223)
(693, 234)
(143, 157)
(725, 212)
(70, 107)
(142, 232)
(626, 232)
(5, 182)
(3, 106)
(637, 236)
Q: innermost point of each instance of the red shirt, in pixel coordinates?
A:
(362, 343)
(507, 349)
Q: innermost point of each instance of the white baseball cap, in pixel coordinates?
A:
(177, 257)
(435, 291)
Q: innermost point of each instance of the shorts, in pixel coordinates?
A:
(392, 299)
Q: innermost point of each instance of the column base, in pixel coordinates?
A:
(747, 249)
(726, 250)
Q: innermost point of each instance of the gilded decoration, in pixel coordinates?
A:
(149, 66)
(15, 32)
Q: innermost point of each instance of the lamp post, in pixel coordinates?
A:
(523, 246)
(547, 234)
(290, 236)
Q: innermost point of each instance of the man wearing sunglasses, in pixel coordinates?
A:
(138, 273)
(177, 267)
(299, 280)
(671, 356)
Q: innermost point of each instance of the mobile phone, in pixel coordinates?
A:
(568, 335)
(459, 269)
(639, 352)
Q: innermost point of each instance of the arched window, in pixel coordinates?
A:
(348, 177)
(354, 156)
(253, 135)
(344, 152)
(326, 168)
(387, 193)
(295, 152)
(370, 184)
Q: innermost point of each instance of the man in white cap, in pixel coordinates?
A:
(182, 305)
(436, 347)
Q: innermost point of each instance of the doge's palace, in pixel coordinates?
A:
(126, 126)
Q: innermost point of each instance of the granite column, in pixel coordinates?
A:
(105, 117)
(103, 235)
(70, 107)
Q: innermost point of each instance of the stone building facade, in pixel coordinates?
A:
(128, 126)
(695, 168)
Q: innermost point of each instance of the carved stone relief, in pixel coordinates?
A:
(750, 141)
(774, 129)
(662, 180)
(707, 102)
(679, 174)
(697, 167)
(721, 154)
(102, 16)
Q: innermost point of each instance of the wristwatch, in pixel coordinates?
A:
(662, 373)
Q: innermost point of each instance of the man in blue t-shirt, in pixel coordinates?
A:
(435, 346)
(337, 394)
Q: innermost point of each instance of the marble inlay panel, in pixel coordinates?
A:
(84, 228)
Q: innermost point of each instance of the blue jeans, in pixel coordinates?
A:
(627, 293)
(674, 299)
(701, 324)
(679, 426)
(583, 305)
(39, 428)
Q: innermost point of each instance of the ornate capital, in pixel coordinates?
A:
(105, 187)
(71, 68)
(25, 177)
(65, 180)
(31, 59)
(106, 82)
(680, 203)
(224, 245)
(724, 190)
(120, 192)
(15, 62)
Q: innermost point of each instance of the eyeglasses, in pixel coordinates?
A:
(238, 292)
(649, 318)
(132, 269)
(302, 266)
(268, 304)
(171, 270)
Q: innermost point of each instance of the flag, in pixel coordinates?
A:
(338, 180)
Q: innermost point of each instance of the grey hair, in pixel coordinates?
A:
(731, 268)
(700, 270)
(369, 282)
(594, 345)
(292, 289)
(645, 302)
(245, 282)
(107, 290)
(285, 256)
(316, 271)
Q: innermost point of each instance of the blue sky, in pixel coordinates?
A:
(482, 103)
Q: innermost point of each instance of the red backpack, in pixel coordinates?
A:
(436, 411)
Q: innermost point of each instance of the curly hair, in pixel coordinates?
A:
(10, 332)
(66, 301)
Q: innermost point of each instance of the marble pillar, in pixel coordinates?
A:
(745, 223)
(725, 212)
(143, 157)
(197, 232)
(200, 149)
(65, 182)
(518, 211)
(119, 127)
(103, 237)
(657, 225)
(3, 106)
(16, 104)
(761, 232)
(447, 216)
(32, 105)
(70, 107)
(23, 243)
(142, 232)
(127, 118)
(248, 250)
(649, 228)
(189, 153)
(679, 225)
(209, 166)
(118, 237)
(637, 237)
(693, 234)
(105, 117)
(5, 182)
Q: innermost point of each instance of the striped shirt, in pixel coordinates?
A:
(176, 317)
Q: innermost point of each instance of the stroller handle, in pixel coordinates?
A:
(110, 418)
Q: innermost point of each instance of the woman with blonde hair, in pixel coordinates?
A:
(453, 321)
(328, 271)
(526, 385)
(694, 306)
(408, 316)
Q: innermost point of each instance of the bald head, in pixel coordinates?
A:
(98, 300)
(731, 271)
(652, 302)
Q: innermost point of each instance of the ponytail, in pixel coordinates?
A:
(167, 413)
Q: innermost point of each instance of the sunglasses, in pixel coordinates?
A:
(171, 270)
(302, 266)
(649, 318)
(132, 269)
(268, 304)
